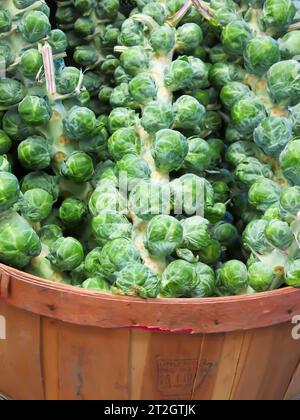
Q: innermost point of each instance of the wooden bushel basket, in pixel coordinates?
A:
(58, 342)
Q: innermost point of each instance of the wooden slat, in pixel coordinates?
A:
(293, 391)
(20, 363)
(139, 347)
(49, 354)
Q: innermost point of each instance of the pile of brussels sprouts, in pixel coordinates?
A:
(153, 150)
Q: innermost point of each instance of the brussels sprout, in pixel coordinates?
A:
(110, 36)
(72, 212)
(106, 196)
(273, 134)
(78, 167)
(131, 33)
(22, 4)
(247, 113)
(133, 168)
(149, 198)
(260, 54)
(5, 21)
(84, 26)
(289, 162)
(179, 280)
(249, 169)
(142, 88)
(66, 254)
(216, 212)
(156, 11)
(49, 234)
(196, 233)
(40, 180)
(232, 135)
(68, 80)
(179, 75)
(221, 191)
(5, 143)
(198, 158)
(58, 41)
(216, 147)
(135, 60)
(263, 193)
(225, 233)
(124, 141)
(232, 92)
(80, 123)
(211, 254)
(120, 96)
(173, 6)
(116, 255)
(34, 25)
(273, 212)
(295, 118)
(169, 150)
(289, 45)
(107, 9)
(284, 82)
(121, 76)
(164, 235)
(109, 225)
(254, 237)
(206, 286)
(11, 92)
(212, 122)
(222, 73)
(18, 241)
(105, 172)
(162, 40)
(7, 54)
(9, 190)
(35, 110)
(260, 277)
(137, 280)
(290, 200)
(200, 72)
(110, 65)
(85, 55)
(292, 273)
(157, 115)
(34, 153)
(5, 165)
(234, 277)
(96, 284)
(36, 204)
(92, 265)
(105, 93)
(188, 37)
(279, 234)
(235, 36)
(31, 63)
(66, 15)
(278, 14)
(121, 118)
(241, 150)
(188, 113)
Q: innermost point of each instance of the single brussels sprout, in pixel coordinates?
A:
(260, 54)
(58, 41)
(116, 255)
(260, 277)
(188, 37)
(273, 212)
(290, 200)
(239, 151)
(188, 113)
(110, 65)
(66, 254)
(216, 212)
(137, 280)
(120, 96)
(196, 233)
(132, 33)
(85, 6)
(68, 80)
(34, 153)
(279, 234)
(289, 45)
(34, 25)
(9, 190)
(221, 191)
(191, 195)
(249, 169)
(84, 26)
(149, 198)
(169, 150)
(11, 92)
(36, 204)
(291, 273)
(263, 193)
(18, 241)
(40, 180)
(105, 93)
(206, 286)
(289, 162)
(5, 21)
(295, 118)
(106, 196)
(277, 14)
(222, 73)
(254, 237)
(96, 284)
(212, 122)
(135, 60)
(156, 11)
(217, 54)
(72, 212)
(284, 82)
(234, 277)
(157, 115)
(235, 36)
(78, 167)
(179, 280)
(217, 148)
(162, 39)
(107, 9)
(5, 165)
(22, 4)
(80, 123)
(173, 6)
(200, 72)
(142, 89)
(273, 134)
(233, 92)
(211, 254)
(105, 172)
(31, 63)
(5, 143)
(133, 169)
(232, 135)
(66, 15)
(164, 235)
(109, 225)
(121, 118)
(49, 234)
(85, 55)
(92, 265)
(179, 75)
(198, 158)
(7, 55)
(225, 233)
(247, 113)
(121, 76)
(122, 142)
(35, 110)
